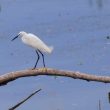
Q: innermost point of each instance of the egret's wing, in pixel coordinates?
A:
(37, 43)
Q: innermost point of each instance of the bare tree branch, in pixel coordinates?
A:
(24, 100)
(109, 97)
(5, 78)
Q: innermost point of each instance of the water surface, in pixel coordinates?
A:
(78, 30)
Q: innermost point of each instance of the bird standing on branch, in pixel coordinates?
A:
(34, 42)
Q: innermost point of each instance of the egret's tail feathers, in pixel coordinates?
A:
(46, 49)
(51, 49)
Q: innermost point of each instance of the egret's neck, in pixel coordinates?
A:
(24, 38)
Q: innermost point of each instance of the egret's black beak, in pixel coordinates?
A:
(15, 38)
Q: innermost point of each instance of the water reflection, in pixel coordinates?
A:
(98, 3)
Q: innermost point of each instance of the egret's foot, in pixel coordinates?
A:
(43, 69)
(34, 68)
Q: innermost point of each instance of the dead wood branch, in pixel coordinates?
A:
(24, 100)
(5, 78)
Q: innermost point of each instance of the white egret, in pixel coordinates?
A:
(33, 41)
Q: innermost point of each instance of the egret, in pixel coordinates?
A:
(34, 42)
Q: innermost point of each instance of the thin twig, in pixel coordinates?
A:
(109, 97)
(100, 105)
(24, 100)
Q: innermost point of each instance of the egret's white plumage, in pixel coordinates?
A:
(33, 41)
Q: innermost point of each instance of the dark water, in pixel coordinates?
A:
(79, 30)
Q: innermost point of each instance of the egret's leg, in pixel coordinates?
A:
(42, 57)
(37, 59)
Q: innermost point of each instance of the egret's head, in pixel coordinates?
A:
(21, 33)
